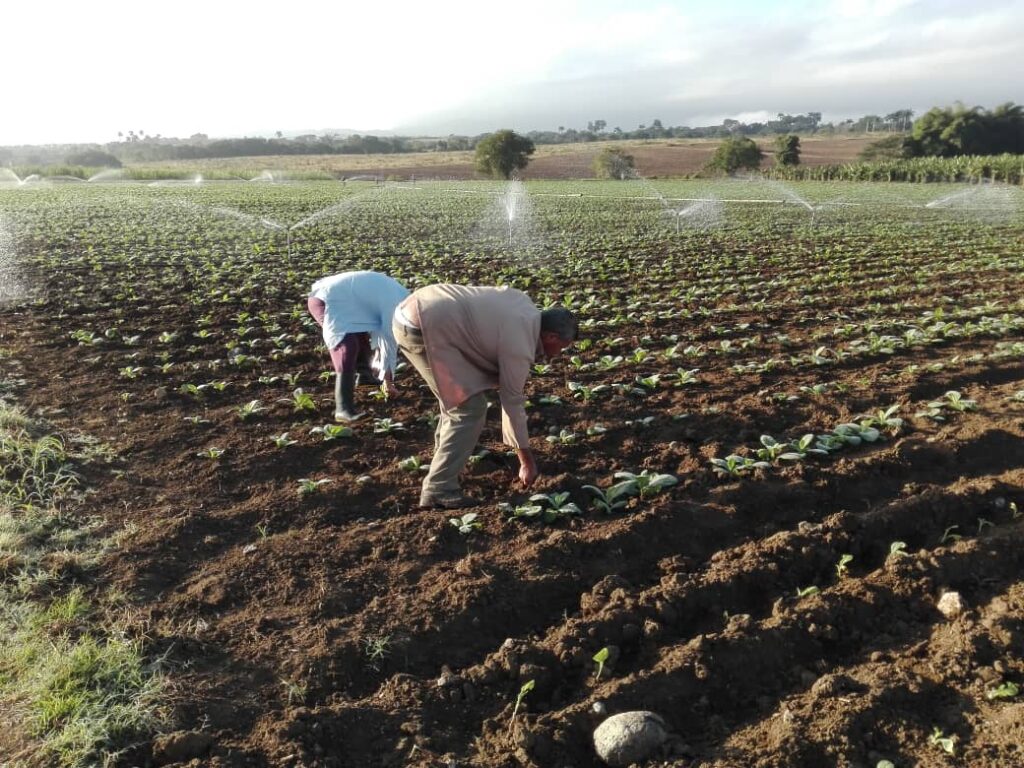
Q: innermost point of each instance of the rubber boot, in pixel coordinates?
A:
(345, 396)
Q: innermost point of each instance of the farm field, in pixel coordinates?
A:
(655, 157)
(833, 375)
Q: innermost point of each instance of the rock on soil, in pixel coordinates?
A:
(629, 737)
(951, 605)
(180, 747)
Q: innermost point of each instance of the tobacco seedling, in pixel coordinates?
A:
(386, 426)
(939, 739)
(585, 393)
(953, 401)
(411, 464)
(807, 591)
(898, 549)
(639, 356)
(601, 657)
(564, 437)
(211, 453)
(841, 566)
(608, 363)
(1005, 691)
(130, 372)
(192, 390)
(816, 390)
(803, 447)
(647, 484)
(302, 401)
(615, 498)
(477, 457)
(557, 506)
(282, 440)
(957, 402)
(737, 466)
(771, 448)
(855, 434)
(882, 419)
(467, 523)
(250, 409)
(649, 383)
(684, 377)
(332, 431)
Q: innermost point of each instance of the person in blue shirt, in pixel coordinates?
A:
(355, 310)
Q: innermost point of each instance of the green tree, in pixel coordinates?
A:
(735, 153)
(787, 149)
(503, 152)
(613, 163)
(961, 130)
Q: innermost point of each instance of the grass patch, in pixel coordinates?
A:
(79, 694)
(76, 688)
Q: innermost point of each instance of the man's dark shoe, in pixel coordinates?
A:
(448, 501)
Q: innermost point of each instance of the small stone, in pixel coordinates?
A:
(951, 605)
(599, 708)
(629, 737)
(448, 678)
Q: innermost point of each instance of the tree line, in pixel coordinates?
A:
(940, 132)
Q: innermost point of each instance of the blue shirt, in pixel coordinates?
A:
(361, 302)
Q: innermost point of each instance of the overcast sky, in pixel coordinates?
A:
(82, 71)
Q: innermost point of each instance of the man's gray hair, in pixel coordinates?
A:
(561, 321)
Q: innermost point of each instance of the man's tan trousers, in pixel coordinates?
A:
(457, 430)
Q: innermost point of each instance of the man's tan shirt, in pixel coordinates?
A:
(480, 338)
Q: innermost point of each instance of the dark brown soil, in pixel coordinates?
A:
(347, 628)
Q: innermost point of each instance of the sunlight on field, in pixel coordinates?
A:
(792, 424)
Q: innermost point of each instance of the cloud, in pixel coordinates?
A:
(866, 56)
(228, 68)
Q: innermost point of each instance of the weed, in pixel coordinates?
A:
(523, 692)
(376, 648)
(600, 658)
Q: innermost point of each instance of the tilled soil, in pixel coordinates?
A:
(345, 627)
(349, 628)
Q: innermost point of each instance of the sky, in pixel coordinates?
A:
(83, 71)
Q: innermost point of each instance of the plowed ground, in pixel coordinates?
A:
(347, 628)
